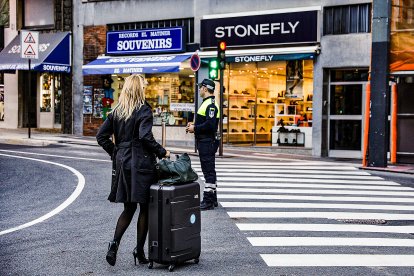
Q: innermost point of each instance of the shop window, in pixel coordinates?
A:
(263, 95)
(46, 92)
(346, 99)
(349, 75)
(39, 13)
(347, 19)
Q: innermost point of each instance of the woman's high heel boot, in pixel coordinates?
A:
(140, 255)
(112, 250)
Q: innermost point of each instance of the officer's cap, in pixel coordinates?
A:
(209, 84)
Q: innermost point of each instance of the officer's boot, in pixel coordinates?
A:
(215, 198)
(208, 201)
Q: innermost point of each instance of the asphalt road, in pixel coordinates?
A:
(74, 240)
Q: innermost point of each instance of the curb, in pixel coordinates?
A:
(26, 142)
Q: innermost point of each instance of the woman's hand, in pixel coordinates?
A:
(167, 154)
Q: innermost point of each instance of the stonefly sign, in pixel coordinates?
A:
(145, 41)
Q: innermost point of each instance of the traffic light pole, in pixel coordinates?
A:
(221, 111)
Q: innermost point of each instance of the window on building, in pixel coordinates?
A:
(347, 19)
(4, 13)
(39, 13)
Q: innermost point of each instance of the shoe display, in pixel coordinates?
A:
(235, 92)
(243, 118)
(261, 101)
(245, 130)
(270, 102)
(261, 116)
(282, 112)
(250, 101)
(251, 116)
(270, 116)
(233, 118)
(234, 106)
(224, 130)
(245, 92)
(224, 115)
(244, 107)
(234, 130)
(262, 129)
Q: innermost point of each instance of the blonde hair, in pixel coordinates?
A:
(132, 97)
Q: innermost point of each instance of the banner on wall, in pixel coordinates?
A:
(402, 36)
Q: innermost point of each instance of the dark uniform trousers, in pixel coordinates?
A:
(207, 148)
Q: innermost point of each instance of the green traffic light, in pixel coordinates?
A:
(213, 74)
(213, 63)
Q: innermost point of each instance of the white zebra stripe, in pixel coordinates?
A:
(326, 215)
(256, 204)
(316, 198)
(334, 260)
(259, 167)
(316, 191)
(328, 241)
(303, 180)
(324, 186)
(263, 170)
(318, 227)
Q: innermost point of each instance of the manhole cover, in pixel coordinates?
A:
(363, 221)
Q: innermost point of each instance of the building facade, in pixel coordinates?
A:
(302, 65)
(46, 101)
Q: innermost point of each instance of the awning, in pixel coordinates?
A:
(54, 54)
(134, 64)
(266, 54)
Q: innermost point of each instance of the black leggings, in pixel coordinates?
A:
(125, 219)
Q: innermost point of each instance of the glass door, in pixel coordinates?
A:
(346, 98)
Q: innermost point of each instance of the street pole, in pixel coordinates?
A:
(221, 112)
(29, 98)
(378, 134)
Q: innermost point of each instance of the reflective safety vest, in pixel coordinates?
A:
(207, 119)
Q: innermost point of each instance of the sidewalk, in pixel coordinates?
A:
(38, 138)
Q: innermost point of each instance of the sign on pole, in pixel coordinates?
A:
(29, 44)
(195, 62)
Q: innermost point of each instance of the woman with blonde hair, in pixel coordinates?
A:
(134, 157)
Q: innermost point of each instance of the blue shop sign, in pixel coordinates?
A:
(166, 40)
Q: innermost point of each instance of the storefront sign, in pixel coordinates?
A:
(182, 107)
(261, 58)
(268, 29)
(145, 41)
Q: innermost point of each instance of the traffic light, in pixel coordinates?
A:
(213, 69)
(221, 54)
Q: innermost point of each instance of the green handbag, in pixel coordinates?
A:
(175, 172)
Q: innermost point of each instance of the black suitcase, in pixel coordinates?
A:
(174, 224)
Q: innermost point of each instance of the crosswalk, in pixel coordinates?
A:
(318, 214)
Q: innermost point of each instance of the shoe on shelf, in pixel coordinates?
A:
(224, 130)
(243, 118)
(282, 112)
(250, 101)
(234, 106)
(233, 118)
(235, 92)
(270, 102)
(244, 107)
(245, 130)
(261, 101)
(271, 116)
(245, 92)
(234, 130)
(262, 129)
(261, 116)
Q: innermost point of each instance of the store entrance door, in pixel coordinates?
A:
(345, 125)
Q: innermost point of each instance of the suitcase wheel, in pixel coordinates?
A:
(171, 267)
(150, 264)
(196, 260)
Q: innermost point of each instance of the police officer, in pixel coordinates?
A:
(205, 131)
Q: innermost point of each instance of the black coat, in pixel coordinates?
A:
(133, 155)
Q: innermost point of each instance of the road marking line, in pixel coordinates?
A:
(317, 198)
(305, 260)
(223, 175)
(274, 167)
(325, 215)
(66, 203)
(251, 204)
(329, 241)
(315, 191)
(262, 170)
(53, 155)
(310, 185)
(303, 180)
(404, 229)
